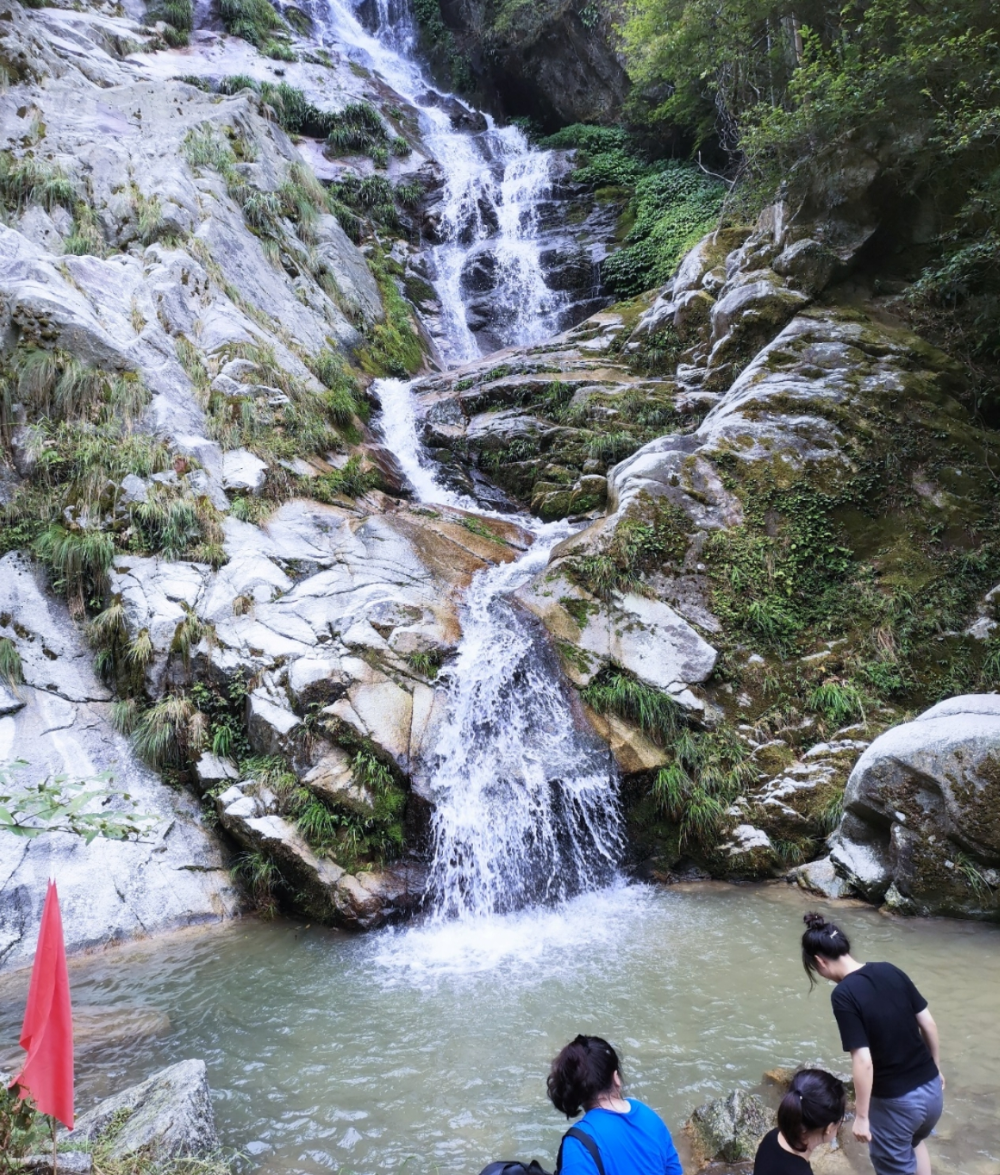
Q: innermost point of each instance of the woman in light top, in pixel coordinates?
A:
(621, 1136)
(809, 1116)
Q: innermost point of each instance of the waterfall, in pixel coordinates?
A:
(525, 809)
(524, 793)
(494, 182)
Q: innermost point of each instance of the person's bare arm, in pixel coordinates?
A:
(864, 1075)
(929, 1031)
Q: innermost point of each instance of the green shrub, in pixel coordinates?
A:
(11, 669)
(392, 347)
(358, 127)
(179, 15)
(673, 209)
(78, 561)
(651, 536)
(617, 692)
(170, 732)
(261, 877)
(253, 20)
(87, 237)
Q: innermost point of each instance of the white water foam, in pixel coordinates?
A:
(532, 943)
(398, 422)
(523, 790)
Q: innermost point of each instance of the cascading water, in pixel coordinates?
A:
(487, 215)
(525, 808)
(525, 804)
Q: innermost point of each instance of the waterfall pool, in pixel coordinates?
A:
(426, 1047)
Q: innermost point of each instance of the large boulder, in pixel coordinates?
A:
(921, 826)
(168, 1116)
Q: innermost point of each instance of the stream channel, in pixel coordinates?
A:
(426, 1047)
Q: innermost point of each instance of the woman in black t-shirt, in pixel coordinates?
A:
(808, 1116)
(888, 1029)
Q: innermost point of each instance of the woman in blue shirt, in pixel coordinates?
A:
(630, 1138)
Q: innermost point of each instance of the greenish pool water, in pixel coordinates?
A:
(427, 1047)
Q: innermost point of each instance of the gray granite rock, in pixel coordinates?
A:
(921, 824)
(109, 890)
(730, 1128)
(168, 1116)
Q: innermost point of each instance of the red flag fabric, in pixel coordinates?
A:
(47, 1034)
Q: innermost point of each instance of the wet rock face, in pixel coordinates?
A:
(553, 61)
(58, 721)
(537, 420)
(921, 826)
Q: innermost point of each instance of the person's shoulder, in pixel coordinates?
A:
(768, 1145)
(768, 1141)
(646, 1115)
(886, 973)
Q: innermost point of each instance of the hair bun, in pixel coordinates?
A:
(814, 921)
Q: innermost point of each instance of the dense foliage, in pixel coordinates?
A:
(797, 92)
(668, 205)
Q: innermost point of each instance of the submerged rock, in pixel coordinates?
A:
(921, 825)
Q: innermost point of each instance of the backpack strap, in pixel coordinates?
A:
(589, 1145)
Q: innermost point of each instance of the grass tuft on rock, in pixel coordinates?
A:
(11, 669)
(253, 20)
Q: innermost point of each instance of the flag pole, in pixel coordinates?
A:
(55, 1153)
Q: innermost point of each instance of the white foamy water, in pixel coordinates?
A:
(524, 793)
(398, 422)
(530, 940)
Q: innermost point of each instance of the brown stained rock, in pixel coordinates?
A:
(633, 751)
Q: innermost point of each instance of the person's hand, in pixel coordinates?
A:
(862, 1131)
(941, 1075)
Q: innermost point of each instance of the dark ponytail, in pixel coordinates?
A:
(584, 1070)
(821, 938)
(814, 1100)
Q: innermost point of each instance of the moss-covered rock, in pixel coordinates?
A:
(921, 826)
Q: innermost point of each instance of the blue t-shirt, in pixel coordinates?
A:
(636, 1143)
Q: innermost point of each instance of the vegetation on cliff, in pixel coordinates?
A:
(798, 94)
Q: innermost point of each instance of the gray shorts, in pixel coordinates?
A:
(898, 1124)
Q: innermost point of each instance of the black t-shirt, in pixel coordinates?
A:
(876, 1008)
(773, 1159)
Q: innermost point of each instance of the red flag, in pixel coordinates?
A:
(47, 1034)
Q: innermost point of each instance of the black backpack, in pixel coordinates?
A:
(506, 1167)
